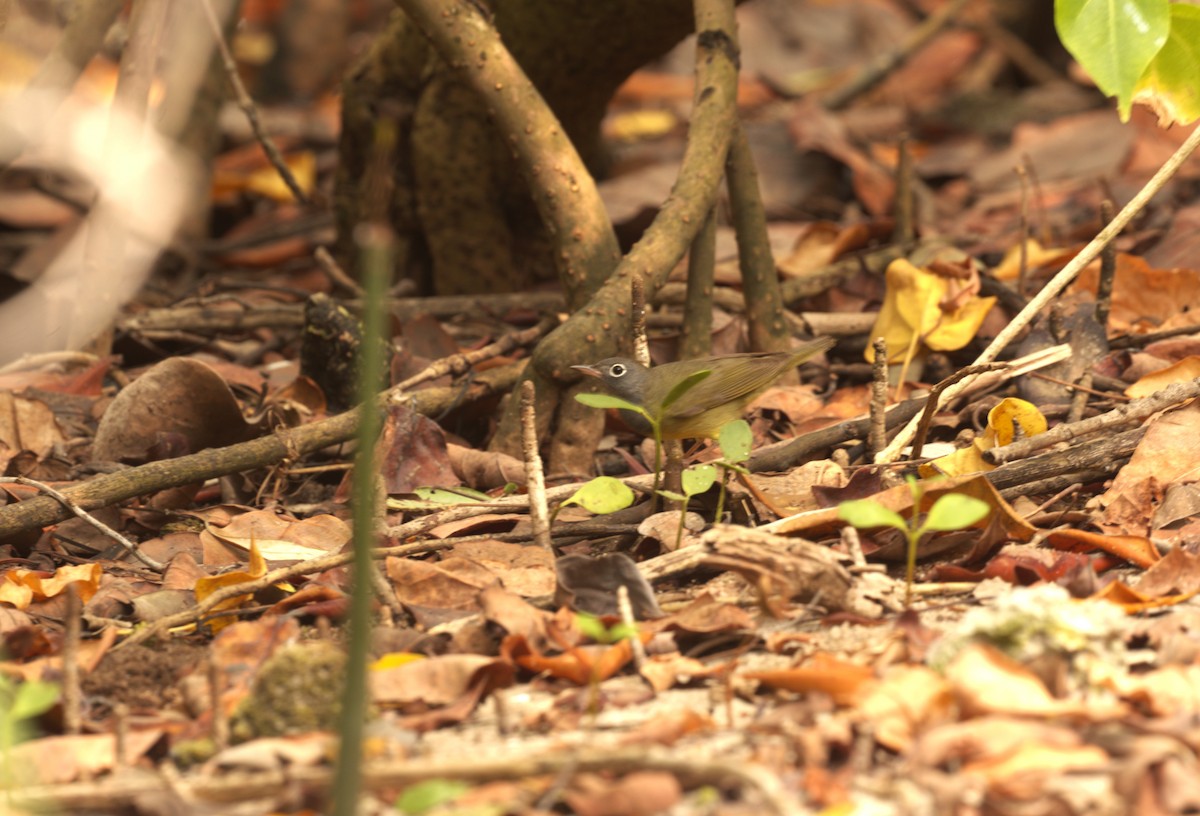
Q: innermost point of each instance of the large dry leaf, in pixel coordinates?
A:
(179, 403)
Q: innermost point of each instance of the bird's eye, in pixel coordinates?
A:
(617, 370)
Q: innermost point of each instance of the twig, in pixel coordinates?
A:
(249, 108)
(931, 404)
(1126, 414)
(1108, 270)
(335, 272)
(267, 450)
(760, 278)
(696, 333)
(72, 694)
(877, 438)
(535, 481)
(637, 320)
(905, 229)
(1060, 281)
(563, 190)
(75, 509)
(123, 792)
(878, 69)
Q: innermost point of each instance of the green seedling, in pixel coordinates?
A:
(20, 704)
(595, 629)
(735, 440)
(952, 511)
(423, 797)
(694, 481)
(601, 495)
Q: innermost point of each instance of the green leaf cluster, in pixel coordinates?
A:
(1137, 50)
(953, 511)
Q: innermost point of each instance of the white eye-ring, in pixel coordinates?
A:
(617, 370)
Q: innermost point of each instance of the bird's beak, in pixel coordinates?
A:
(588, 370)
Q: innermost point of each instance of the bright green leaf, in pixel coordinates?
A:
(32, 699)
(683, 386)
(422, 797)
(955, 511)
(695, 480)
(735, 439)
(864, 513)
(1169, 84)
(604, 494)
(1114, 40)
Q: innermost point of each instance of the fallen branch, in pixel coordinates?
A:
(269, 450)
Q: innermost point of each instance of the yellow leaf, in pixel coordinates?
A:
(205, 587)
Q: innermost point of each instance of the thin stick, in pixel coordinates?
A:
(249, 108)
(878, 69)
(72, 694)
(877, 438)
(637, 318)
(1108, 270)
(905, 229)
(129, 546)
(535, 480)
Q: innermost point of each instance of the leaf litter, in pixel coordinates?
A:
(1050, 655)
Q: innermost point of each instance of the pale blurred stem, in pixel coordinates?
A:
(637, 311)
(534, 477)
(696, 340)
(81, 40)
(375, 250)
(760, 280)
(72, 692)
(877, 438)
(104, 244)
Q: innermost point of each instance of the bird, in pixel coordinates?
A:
(702, 410)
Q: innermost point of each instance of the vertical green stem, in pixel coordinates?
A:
(376, 254)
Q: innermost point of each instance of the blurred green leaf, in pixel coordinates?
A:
(955, 511)
(1114, 40)
(864, 513)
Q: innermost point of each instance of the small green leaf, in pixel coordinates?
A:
(422, 797)
(954, 511)
(695, 480)
(1113, 41)
(592, 627)
(864, 513)
(32, 699)
(606, 401)
(601, 495)
(735, 439)
(683, 386)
